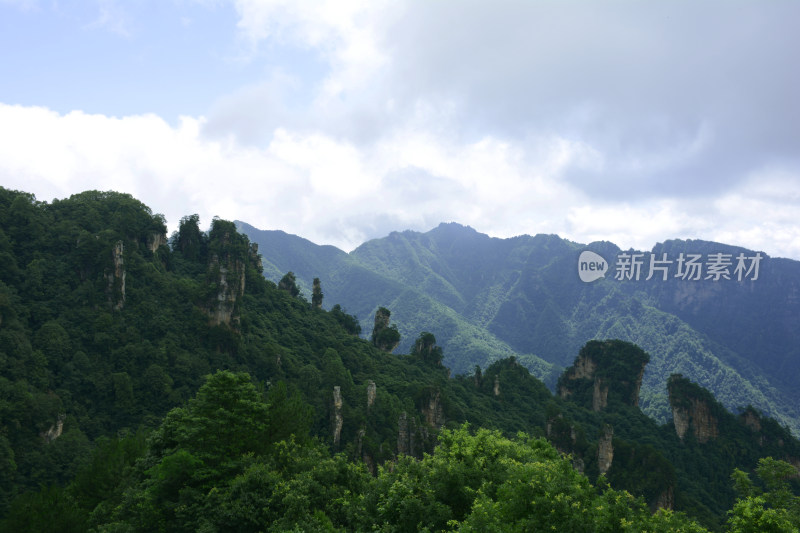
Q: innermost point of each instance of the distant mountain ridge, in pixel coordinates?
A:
(149, 383)
(485, 298)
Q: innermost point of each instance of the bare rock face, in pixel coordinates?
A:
(637, 387)
(255, 257)
(116, 278)
(584, 368)
(496, 385)
(599, 395)
(604, 367)
(371, 393)
(360, 441)
(680, 419)
(403, 444)
(705, 425)
(230, 257)
(698, 417)
(230, 284)
(413, 437)
(694, 295)
(229, 274)
(155, 240)
(336, 415)
(605, 450)
(665, 500)
(433, 411)
(55, 430)
(751, 420)
(692, 408)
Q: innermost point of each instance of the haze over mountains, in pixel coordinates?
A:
(155, 383)
(486, 298)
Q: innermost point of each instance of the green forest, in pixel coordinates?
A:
(488, 298)
(161, 383)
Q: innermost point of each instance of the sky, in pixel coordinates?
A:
(341, 121)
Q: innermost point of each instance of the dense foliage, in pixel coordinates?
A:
(219, 465)
(486, 299)
(165, 385)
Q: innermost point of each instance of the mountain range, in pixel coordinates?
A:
(153, 383)
(734, 331)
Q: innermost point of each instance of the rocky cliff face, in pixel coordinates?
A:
(433, 410)
(698, 416)
(583, 368)
(404, 436)
(227, 269)
(417, 437)
(599, 395)
(337, 420)
(255, 257)
(665, 500)
(692, 408)
(605, 450)
(372, 391)
(751, 419)
(773, 439)
(230, 283)
(116, 277)
(155, 240)
(55, 430)
(603, 368)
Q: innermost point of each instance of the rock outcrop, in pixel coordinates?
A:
(751, 419)
(371, 393)
(414, 438)
(230, 286)
(605, 450)
(255, 257)
(604, 370)
(337, 420)
(384, 336)
(227, 270)
(665, 500)
(116, 278)
(433, 410)
(155, 240)
(405, 438)
(693, 408)
(599, 395)
(55, 430)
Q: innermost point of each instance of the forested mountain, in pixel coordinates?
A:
(362, 289)
(163, 384)
(485, 298)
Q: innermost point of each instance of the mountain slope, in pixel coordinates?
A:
(348, 280)
(109, 332)
(739, 339)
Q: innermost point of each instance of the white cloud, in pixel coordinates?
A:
(22, 4)
(333, 191)
(762, 212)
(112, 17)
(637, 123)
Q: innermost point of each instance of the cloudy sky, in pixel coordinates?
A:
(628, 121)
